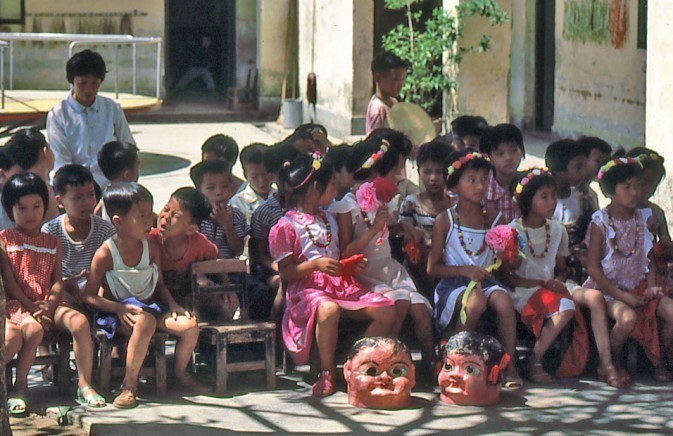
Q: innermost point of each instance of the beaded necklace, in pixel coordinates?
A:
(328, 230)
(462, 240)
(547, 232)
(615, 243)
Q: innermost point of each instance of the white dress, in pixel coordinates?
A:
(383, 274)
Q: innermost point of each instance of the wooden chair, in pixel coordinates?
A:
(60, 360)
(157, 351)
(220, 334)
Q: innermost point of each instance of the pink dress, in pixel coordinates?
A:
(33, 260)
(290, 238)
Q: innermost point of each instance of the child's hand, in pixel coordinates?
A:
(381, 218)
(127, 314)
(328, 265)
(223, 214)
(204, 281)
(177, 310)
(360, 266)
(555, 285)
(476, 273)
(632, 300)
(652, 293)
(45, 314)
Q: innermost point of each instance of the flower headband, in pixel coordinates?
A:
(315, 166)
(617, 161)
(465, 159)
(649, 157)
(527, 179)
(385, 146)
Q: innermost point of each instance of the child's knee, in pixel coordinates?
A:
(145, 323)
(78, 325)
(32, 331)
(328, 310)
(627, 320)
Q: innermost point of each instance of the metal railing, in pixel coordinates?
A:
(79, 39)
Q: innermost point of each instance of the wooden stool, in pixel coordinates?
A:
(158, 371)
(221, 336)
(60, 360)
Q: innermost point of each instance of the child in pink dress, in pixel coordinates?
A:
(305, 245)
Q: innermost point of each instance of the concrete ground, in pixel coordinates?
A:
(576, 406)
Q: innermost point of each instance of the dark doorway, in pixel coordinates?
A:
(545, 62)
(187, 23)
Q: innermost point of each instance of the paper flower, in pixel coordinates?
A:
(366, 197)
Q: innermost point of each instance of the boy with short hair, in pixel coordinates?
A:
(390, 72)
(504, 144)
(29, 151)
(469, 129)
(258, 185)
(338, 156)
(599, 153)
(223, 147)
(226, 226)
(119, 162)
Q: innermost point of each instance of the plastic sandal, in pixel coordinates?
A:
(324, 386)
(16, 404)
(92, 399)
(611, 376)
(512, 383)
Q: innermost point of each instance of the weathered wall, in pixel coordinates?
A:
(659, 108)
(600, 90)
(483, 83)
(273, 61)
(42, 65)
(522, 64)
(338, 48)
(246, 39)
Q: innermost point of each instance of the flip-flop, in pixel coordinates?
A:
(16, 404)
(511, 383)
(93, 399)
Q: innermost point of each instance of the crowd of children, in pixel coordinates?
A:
(323, 245)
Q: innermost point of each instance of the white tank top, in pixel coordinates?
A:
(136, 281)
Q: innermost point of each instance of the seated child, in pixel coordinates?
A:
(7, 170)
(119, 162)
(421, 210)
(504, 145)
(225, 148)
(405, 186)
(177, 234)
(338, 156)
(131, 293)
(459, 254)
(29, 152)
(226, 225)
(599, 153)
(310, 137)
(469, 129)
(31, 269)
(389, 72)
(258, 181)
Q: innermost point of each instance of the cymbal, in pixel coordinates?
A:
(413, 121)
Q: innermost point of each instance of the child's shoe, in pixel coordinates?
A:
(324, 386)
(126, 399)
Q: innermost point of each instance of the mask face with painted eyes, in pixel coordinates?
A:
(464, 381)
(380, 377)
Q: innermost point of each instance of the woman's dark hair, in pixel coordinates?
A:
(71, 175)
(193, 202)
(476, 163)
(20, 185)
(619, 174)
(120, 197)
(296, 177)
(84, 63)
(525, 198)
(397, 140)
(364, 150)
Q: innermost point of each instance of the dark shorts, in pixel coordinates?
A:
(108, 322)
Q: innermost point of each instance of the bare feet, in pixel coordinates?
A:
(189, 383)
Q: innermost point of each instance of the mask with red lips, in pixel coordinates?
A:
(380, 374)
(471, 375)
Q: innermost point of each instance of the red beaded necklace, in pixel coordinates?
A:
(462, 240)
(615, 243)
(547, 231)
(328, 230)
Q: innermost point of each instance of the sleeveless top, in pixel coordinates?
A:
(455, 255)
(137, 281)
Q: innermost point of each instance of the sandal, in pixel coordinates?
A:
(512, 383)
(612, 377)
(92, 399)
(324, 386)
(537, 373)
(624, 374)
(661, 374)
(16, 404)
(126, 399)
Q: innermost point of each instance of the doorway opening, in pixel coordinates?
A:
(545, 63)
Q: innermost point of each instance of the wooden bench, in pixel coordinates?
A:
(221, 334)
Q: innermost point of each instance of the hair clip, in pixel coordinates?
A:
(617, 161)
(385, 146)
(465, 159)
(315, 166)
(527, 179)
(286, 164)
(649, 157)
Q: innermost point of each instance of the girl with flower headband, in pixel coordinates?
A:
(459, 254)
(362, 215)
(305, 244)
(539, 281)
(620, 242)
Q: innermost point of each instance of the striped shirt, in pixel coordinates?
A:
(77, 255)
(215, 232)
(265, 217)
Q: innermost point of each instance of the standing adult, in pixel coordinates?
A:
(79, 125)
